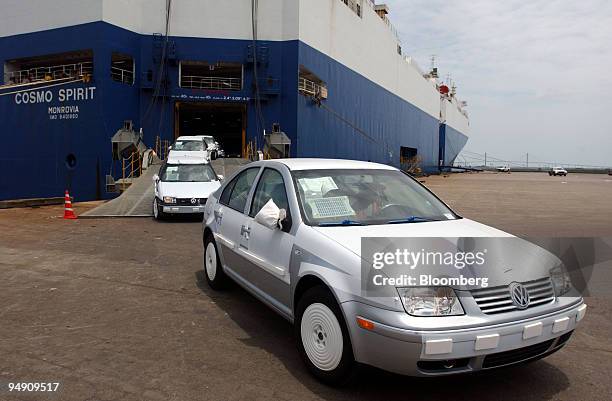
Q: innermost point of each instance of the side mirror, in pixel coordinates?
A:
(271, 216)
(169, 148)
(220, 177)
(155, 178)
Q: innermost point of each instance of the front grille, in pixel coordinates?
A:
(444, 366)
(187, 201)
(497, 299)
(516, 355)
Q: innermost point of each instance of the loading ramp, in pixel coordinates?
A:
(137, 199)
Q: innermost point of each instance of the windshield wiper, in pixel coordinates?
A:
(341, 223)
(411, 219)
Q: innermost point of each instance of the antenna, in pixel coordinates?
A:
(434, 70)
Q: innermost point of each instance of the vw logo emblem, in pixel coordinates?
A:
(519, 295)
(194, 201)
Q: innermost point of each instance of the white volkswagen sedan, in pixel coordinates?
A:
(183, 186)
(191, 147)
(213, 146)
(290, 232)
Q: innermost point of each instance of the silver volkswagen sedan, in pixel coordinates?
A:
(291, 232)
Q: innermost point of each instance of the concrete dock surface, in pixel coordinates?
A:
(115, 309)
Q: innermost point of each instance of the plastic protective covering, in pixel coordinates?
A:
(270, 215)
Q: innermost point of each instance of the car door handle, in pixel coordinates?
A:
(245, 229)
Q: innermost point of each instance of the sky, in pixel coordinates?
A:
(537, 75)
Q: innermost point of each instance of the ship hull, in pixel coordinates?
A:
(361, 118)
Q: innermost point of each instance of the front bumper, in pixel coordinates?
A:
(444, 352)
(183, 209)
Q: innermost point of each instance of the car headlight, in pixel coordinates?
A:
(430, 301)
(169, 199)
(561, 280)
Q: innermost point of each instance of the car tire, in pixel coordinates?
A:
(213, 270)
(322, 337)
(157, 214)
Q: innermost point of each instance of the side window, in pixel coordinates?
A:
(239, 189)
(270, 186)
(224, 199)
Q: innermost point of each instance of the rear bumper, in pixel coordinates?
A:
(434, 353)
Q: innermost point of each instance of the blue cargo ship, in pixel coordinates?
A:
(330, 74)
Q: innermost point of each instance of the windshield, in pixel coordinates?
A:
(188, 146)
(188, 173)
(365, 197)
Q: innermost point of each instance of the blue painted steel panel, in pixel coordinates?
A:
(35, 146)
(442, 145)
(453, 144)
(157, 117)
(40, 146)
(359, 120)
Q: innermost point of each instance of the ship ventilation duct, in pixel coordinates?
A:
(126, 141)
(278, 144)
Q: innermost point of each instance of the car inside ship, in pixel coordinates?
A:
(225, 122)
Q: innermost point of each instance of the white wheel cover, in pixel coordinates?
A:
(210, 261)
(322, 337)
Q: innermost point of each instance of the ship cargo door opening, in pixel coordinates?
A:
(226, 122)
(410, 160)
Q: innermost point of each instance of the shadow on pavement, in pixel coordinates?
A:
(181, 218)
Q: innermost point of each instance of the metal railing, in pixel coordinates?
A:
(219, 83)
(78, 70)
(130, 168)
(121, 75)
(308, 87)
(387, 21)
(251, 151)
(162, 147)
(391, 27)
(461, 106)
(354, 5)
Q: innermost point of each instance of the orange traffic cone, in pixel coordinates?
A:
(68, 211)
